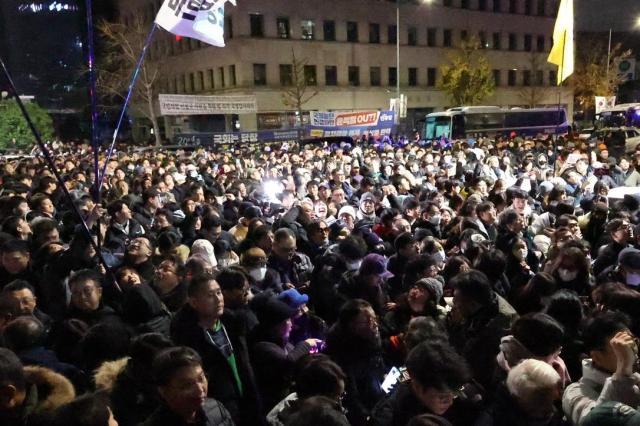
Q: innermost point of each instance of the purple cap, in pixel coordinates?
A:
(375, 264)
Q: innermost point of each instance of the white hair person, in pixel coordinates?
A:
(535, 385)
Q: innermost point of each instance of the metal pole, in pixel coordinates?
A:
(54, 170)
(608, 54)
(398, 56)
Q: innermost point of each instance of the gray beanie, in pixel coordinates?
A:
(433, 286)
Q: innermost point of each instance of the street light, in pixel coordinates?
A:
(398, 2)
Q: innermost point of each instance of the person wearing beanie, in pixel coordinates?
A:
(306, 324)
(272, 354)
(367, 207)
(347, 215)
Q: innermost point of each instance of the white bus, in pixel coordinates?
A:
(622, 115)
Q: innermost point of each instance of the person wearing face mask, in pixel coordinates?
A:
(571, 270)
(430, 220)
(254, 261)
(518, 269)
(627, 269)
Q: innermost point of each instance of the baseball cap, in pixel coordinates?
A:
(375, 264)
(293, 298)
(629, 257)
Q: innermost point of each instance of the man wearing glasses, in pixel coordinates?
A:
(286, 267)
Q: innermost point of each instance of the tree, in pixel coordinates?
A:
(533, 94)
(590, 78)
(297, 91)
(123, 46)
(467, 79)
(14, 130)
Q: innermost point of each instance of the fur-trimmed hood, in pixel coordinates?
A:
(105, 376)
(53, 389)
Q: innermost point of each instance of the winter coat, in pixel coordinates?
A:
(143, 310)
(364, 366)
(185, 331)
(595, 387)
(213, 413)
(45, 392)
(477, 339)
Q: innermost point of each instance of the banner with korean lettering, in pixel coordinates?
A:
(232, 138)
(204, 105)
(199, 19)
(353, 123)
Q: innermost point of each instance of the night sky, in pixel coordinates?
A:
(600, 15)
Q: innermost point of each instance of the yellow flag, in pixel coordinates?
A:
(562, 51)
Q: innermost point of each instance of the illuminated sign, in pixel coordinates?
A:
(53, 7)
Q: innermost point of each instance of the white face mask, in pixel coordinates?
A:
(353, 266)
(567, 275)
(440, 255)
(258, 274)
(633, 279)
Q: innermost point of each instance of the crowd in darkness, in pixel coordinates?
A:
(483, 282)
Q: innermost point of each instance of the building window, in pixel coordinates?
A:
(431, 37)
(212, 83)
(412, 36)
(528, 6)
(329, 29)
(257, 25)
(192, 82)
(553, 78)
(232, 75)
(354, 76)
(513, 6)
(464, 35)
(375, 76)
(200, 81)
(540, 43)
(496, 77)
(497, 37)
(259, 74)
(528, 43)
(392, 34)
(539, 78)
(526, 78)
(464, 4)
(541, 7)
(431, 77)
(310, 75)
(286, 75)
(447, 3)
(308, 29)
(283, 27)
(513, 42)
(352, 32)
(413, 77)
(482, 4)
(374, 33)
(483, 40)
(228, 27)
(512, 78)
(221, 76)
(497, 6)
(446, 38)
(331, 75)
(393, 76)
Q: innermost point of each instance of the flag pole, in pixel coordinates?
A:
(561, 72)
(127, 99)
(54, 170)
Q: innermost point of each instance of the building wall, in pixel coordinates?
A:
(191, 63)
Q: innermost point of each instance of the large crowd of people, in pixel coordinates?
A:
(490, 281)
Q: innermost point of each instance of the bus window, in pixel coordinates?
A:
(458, 129)
(436, 127)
